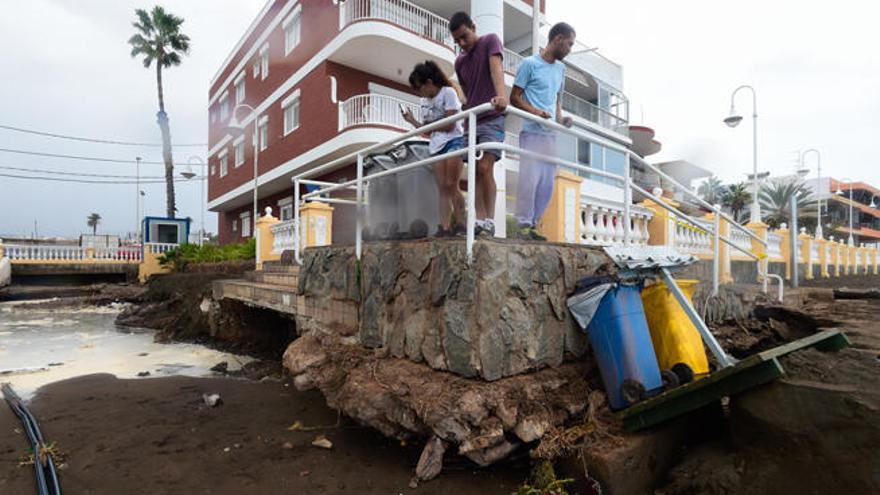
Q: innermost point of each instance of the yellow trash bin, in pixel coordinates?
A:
(676, 340)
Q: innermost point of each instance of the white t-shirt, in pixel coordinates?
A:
(434, 109)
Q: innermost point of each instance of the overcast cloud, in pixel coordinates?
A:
(66, 69)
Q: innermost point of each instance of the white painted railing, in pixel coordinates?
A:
(586, 110)
(693, 240)
(44, 252)
(159, 247)
(375, 109)
(602, 223)
(741, 240)
(774, 245)
(284, 236)
(512, 61)
(121, 253)
(400, 13)
(814, 252)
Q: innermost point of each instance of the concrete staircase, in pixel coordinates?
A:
(272, 288)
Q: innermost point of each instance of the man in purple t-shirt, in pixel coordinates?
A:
(481, 76)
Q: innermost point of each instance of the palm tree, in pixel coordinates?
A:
(776, 203)
(711, 191)
(93, 221)
(159, 40)
(736, 197)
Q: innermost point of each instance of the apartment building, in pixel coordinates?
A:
(319, 79)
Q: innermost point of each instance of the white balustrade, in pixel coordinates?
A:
(160, 247)
(284, 234)
(814, 252)
(26, 252)
(375, 109)
(602, 223)
(774, 245)
(401, 13)
(693, 240)
(741, 240)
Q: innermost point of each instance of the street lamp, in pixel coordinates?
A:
(818, 187)
(143, 204)
(189, 174)
(137, 198)
(236, 128)
(839, 192)
(733, 120)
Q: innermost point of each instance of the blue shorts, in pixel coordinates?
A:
(453, 144)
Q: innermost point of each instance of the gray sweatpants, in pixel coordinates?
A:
(536, 177)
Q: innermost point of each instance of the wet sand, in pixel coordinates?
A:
(154, 436)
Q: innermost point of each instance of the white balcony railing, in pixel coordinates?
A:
(586, 110)
(284, 236)
(375, 109)
(121, 253)
(602, 223)
(512, 60)
(400, 13)
(741, 240)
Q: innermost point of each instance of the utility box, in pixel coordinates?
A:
(160, 230)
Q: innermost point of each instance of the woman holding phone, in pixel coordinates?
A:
(440, 98)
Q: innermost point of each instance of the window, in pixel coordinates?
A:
(239, 88)
(213, 170)
(213, 115)
(224, 163)
(291, 112)
(256, 68)
(224, 107)
(264, 132)
(235, 225)
(245, 224)
(264, 61)
(285, 207)
(291, 27)
(238, 146)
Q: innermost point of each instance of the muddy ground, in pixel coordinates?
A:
(158, 436)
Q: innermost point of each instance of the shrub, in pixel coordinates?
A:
(179, 257)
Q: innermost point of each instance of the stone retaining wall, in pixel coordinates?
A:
(502, 315)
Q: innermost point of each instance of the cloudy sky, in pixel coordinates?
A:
(66, 69)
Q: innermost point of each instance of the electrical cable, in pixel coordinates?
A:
(45, 474)
(85, 181)
(82, 174)
(91, 140)
(89, 158)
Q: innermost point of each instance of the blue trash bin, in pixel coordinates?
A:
(622, 345)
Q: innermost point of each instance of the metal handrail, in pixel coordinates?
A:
(471, 151)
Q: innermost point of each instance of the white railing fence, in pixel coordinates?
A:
(586, 110)
(375, 109)
(44, 252)
(774, 245)
(159, 247)
(741, 240)
(401, 13)
(694, 240)
(284, 236)
(602, 224)
(122, 253)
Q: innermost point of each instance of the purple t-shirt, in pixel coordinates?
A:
(474, 75)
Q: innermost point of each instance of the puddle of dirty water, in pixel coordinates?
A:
(40, 346)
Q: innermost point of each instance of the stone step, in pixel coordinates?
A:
(279, 267)
(284, 279)
(277, 297)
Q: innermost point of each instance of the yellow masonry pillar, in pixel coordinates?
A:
(759, 229)
(265, 238)
(804, 253)
(562, 219)
(661, 228)
(316, 219)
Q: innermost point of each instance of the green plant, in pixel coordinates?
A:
(736, 197)
(93, 221)
(776, 203)
(544, 482)
(712, 190)
(177, 259)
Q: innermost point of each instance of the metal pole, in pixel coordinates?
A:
(137, 199)
(471, 179)
(850, 240)
(756, 208)
(716, 251)
(794, 243)
(359, 222)
(203, 205)
(627, 200)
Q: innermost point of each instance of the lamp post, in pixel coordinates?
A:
(143, 204)
(733, 120)
(818, 188)
(235, 128)
(189, 174)
(839, 192)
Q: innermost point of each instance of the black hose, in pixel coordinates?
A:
(46, 475)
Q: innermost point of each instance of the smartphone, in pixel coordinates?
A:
(402, 109)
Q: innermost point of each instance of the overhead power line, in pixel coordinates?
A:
(91, 140)
(82, 174)
(87, 181)
(90, 158)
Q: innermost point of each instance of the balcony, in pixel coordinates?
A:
(402, 14)
(374, 110)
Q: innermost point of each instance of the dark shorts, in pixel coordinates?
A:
(489, 131)
(453, 144)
